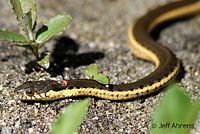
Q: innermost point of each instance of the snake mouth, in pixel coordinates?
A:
(29, 94)
(20, 94)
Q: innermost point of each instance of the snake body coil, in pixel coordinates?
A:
(142, 45)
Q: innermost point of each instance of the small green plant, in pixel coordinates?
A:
(25, 12)
(175, 114)
(70, 120)
(91, 73)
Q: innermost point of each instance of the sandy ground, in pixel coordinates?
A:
(96, 35)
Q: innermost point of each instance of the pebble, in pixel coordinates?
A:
(30, 130)
(5, 130)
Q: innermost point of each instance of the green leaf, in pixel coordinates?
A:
(17, 9)
(175, 114)
(52, 27)
(91, 70)
(101, 78)
(27, 24)
(13, 37)
(30, 6)
(91, 73)
(44, 61)
(26, 14)
(70, 120)
(27, 46)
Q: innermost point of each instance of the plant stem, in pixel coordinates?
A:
(30, 34)
(35, 50)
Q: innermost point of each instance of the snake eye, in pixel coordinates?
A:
(29, 92)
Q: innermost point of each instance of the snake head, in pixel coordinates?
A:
(36, 90)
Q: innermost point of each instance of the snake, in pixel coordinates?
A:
(142, 45)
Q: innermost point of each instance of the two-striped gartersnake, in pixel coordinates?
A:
(141, 45)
